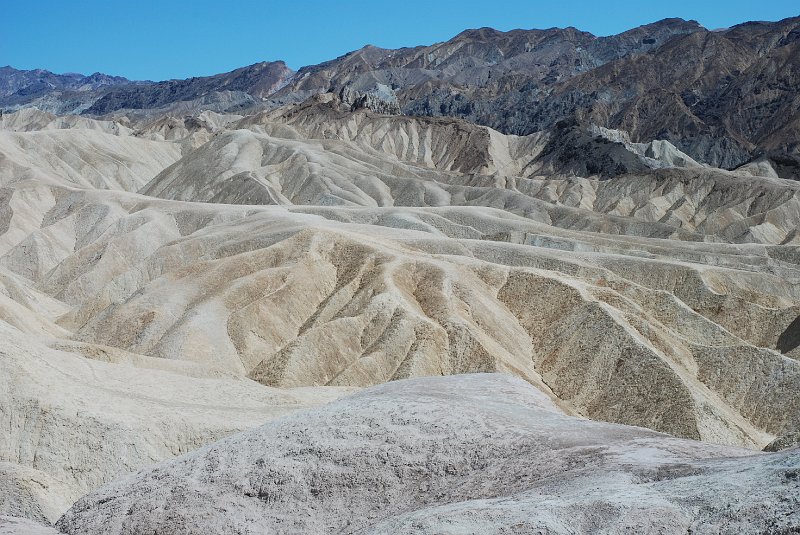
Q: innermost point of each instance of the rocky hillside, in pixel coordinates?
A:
(467, 454)
(98, 95)
(724, 97)
(23, 86)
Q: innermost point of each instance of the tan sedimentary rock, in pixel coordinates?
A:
(187, 260)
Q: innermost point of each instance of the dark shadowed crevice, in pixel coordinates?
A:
(790, 338)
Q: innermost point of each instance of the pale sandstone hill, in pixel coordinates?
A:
(358, 296)
(666, 298)
(32, 119)
(317, 154)
(468, 454)
(92, 159)
(319, 296)
(72, 423)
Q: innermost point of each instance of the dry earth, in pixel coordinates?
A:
(466, 454)
(167, 282)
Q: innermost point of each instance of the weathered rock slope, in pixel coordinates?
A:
(10, 525)
(429, 258)
(168, 280)
(474, 453)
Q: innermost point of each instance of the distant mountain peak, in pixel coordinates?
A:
(670, 79)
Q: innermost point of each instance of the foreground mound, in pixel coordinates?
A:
(71, 423)
(463, 454)
(10, 525)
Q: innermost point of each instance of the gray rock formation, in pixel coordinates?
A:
(474, 453)
(380, 99)
(10, 525)
(785, 442)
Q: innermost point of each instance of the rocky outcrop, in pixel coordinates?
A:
(485, 453)
(784, 442)
(380, 99)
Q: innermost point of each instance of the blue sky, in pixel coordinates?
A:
(164, 39)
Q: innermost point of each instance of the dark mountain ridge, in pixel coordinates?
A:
(724, 97)
(37, 82)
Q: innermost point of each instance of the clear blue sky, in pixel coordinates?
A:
(156, 40)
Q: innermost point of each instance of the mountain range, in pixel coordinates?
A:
(724, 97)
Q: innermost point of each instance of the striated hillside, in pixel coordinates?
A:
(597, 236)
(401, 247)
